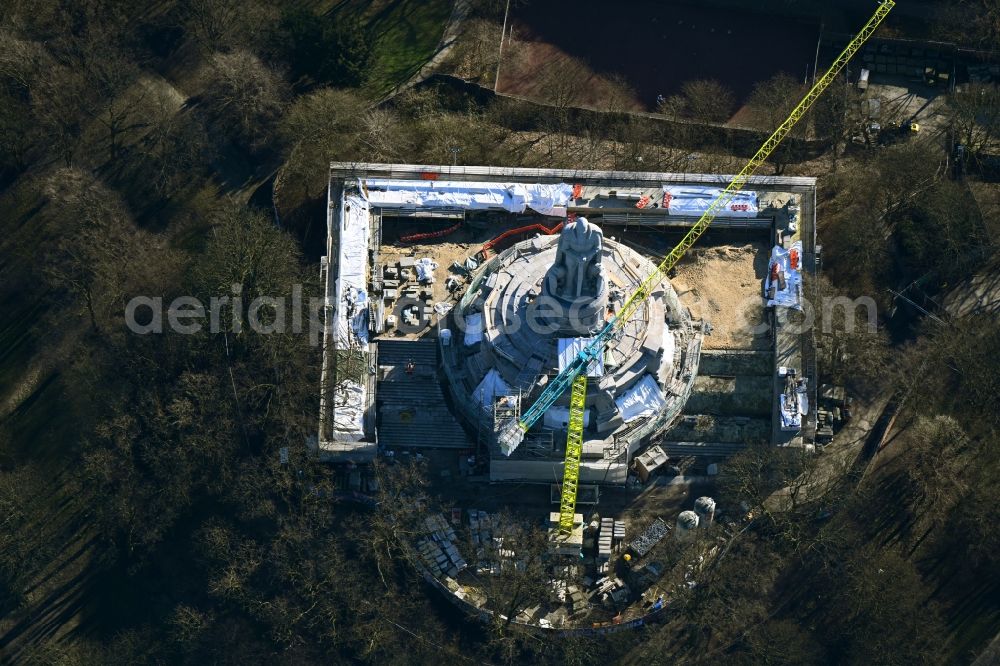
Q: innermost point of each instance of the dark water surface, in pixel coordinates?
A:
(657, 46)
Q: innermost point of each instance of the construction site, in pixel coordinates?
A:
(546, 340)
(439, 338)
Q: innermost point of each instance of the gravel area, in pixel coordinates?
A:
(723, 286)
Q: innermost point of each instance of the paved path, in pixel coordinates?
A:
(845, 453)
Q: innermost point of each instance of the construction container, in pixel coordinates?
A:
(650, 461)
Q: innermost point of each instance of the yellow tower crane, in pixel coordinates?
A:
(575, 374)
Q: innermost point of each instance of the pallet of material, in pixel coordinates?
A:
(650, 537)
(604, 538)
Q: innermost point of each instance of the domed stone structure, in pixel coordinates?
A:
(525, 316)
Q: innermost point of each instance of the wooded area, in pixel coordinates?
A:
(144, 514)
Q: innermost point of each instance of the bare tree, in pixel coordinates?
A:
(560, 86)
(852, 354)
(21, 60)
(243, 95)
(383, 135)
(877, 610)
(480, 140)
(707, 100)
(55, 103)
(975, 115)
(226, 24)
(836, 118)
(96, 247)
(771, 101)
(476, 54)
(935, 462)
(123, 115)
(774, 483)
(174, 144)
(324, 125)
(970, 22)
(518, 577)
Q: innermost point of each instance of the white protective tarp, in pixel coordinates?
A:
(544, 198)
(570, 348)
(695, 200)
(792, 410)
(669, 345)
(643, 399)
(348, 412)
(557, 418)
(781, 263)
(790, 417)
(350, 317)
(473, 329)
(492, 386)
(350, 313)
(425, 270)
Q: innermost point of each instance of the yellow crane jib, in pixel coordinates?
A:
(576, 371)
(574, 447)
(511, 437)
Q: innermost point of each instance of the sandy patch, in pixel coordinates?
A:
(722, 285)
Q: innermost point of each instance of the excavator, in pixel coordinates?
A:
(574, 376)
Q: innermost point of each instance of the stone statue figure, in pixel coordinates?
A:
(576, 272)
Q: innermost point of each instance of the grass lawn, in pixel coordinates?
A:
(407, 33)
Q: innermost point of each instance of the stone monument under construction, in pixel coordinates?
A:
(528, 312)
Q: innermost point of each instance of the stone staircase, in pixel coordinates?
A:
(411, 407)
(728, 409)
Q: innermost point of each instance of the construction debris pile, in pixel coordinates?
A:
(600, 578)
(651, 536)
(794, 401)
(438, 549)
(572, 596)
(612, 590)
(833, 410)
(481, 526)
(610, 534)
(406, 279)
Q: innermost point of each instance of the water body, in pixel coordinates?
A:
(657, 46)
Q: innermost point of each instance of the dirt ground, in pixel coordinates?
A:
(532, 68)
(720, 284)
(723, 286)
(904, 102)
(637, 506)
(442, 253)
(455, 247)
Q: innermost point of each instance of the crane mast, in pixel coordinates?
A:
(510, 438)
(574, 447)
